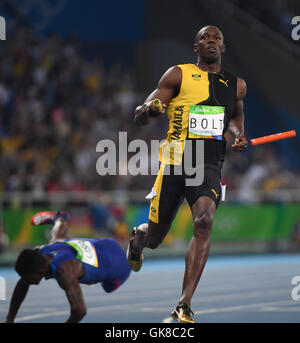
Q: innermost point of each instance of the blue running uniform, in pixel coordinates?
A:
(103, 260)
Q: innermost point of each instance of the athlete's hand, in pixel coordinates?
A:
(240, 144)
(156, 108)
(147, 110)
(141, 116)
(8, 320)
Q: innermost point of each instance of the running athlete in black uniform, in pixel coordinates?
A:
(203, 102)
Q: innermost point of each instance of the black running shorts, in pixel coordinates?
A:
(170, 190)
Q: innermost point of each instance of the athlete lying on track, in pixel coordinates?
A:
(70, 262)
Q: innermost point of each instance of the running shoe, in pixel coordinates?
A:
(183, 314)
(135, 259)
(48, 217)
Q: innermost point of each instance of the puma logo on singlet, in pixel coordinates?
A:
(225, 82)
(215, 193)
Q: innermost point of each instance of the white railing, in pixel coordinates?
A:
(132, 197)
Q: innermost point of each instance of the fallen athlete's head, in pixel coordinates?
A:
(209, 44)
(31, 266)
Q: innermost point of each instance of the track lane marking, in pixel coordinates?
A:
(234, 308)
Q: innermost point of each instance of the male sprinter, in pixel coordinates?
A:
(70, 262)
(203, 102)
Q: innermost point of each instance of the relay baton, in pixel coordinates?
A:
(157, 105)
(272, 138)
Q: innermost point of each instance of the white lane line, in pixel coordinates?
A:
(102, 309)
(105, 298)
(228, 296)
(42, 315)
(281, 309)
(59, 299)
(136, 307)
(202, 299)
(199, 301)
(39, 296)
(124, 308)
(234, 308)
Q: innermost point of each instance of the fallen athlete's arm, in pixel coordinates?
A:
(18, 296)
(166, 89)
(67, 277)
(236, 124)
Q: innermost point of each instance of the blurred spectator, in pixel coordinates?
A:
(258, 175)
(55, 106)
(102, 218)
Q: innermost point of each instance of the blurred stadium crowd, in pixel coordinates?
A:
(277, 14)
(56, 105)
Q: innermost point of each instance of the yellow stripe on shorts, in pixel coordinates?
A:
(154, 205)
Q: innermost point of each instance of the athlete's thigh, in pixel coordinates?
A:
(168, 194)
(210, 187)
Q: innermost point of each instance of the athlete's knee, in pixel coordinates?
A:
(156, 235)
(203, 223)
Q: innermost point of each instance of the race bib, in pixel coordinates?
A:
(206, 121)
(85, 251)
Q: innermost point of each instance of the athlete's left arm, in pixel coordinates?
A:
(67, 277)
(236, 124)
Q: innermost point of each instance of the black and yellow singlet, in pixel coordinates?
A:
(201, 110)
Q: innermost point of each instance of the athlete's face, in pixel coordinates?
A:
(209, 44)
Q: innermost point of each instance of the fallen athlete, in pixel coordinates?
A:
(70, 262)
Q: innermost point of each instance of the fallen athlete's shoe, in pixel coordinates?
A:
(135, 258)
(183, 314)
(48, 217)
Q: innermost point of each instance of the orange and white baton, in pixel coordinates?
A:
(272, 138)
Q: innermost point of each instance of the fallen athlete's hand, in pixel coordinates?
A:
(240, 144)
(9, 321)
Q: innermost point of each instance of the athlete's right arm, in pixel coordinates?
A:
(18, 296)
(167, 89)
